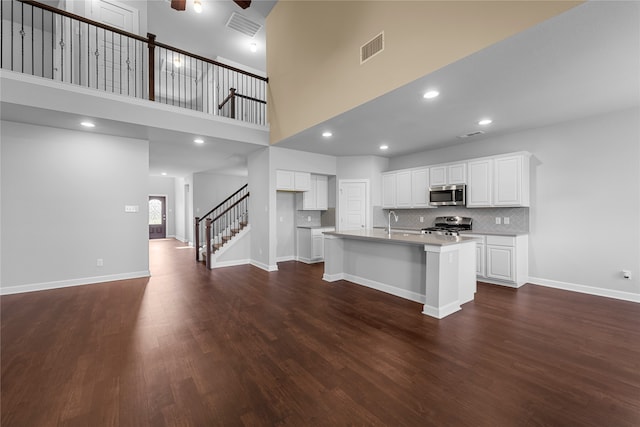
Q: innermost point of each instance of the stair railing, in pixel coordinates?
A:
(222, 223)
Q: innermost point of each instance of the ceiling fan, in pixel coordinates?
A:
(182, 4)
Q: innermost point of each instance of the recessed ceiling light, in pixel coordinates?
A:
(431, 94)
(88, 124)
(199, 141)
(197, 6)
(253, 47)
(164, 173)
(327, 134)
(384, 147)
(485, 122)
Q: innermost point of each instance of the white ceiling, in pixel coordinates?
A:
(581, 63)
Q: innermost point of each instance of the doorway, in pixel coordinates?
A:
(157, 217)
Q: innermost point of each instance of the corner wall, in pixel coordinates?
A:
(64, 195)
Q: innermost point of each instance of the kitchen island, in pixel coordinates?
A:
(438, 271)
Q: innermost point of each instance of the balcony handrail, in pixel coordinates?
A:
(140, 38)
(236, 203)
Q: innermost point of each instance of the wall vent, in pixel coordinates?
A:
(372, 48)
(469, 135)
(243, 24)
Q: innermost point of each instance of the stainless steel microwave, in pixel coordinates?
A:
(448, 195)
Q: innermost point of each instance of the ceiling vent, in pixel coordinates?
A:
(469, 135)
(243, 24)
(372, 48)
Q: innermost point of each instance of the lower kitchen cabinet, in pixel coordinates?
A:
(502, 260)
(310, 243)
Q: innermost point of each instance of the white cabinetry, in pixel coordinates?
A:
(480, 254)
(480, 183)
(507, 260)
(448, 174)
(317, 198)
(310, 243)
(405, 189)
(511, 181)
(420, 188)
(499, 181)
(293, 181)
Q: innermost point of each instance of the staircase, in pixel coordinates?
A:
(220, 225)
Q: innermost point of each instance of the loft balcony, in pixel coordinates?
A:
(43, 42)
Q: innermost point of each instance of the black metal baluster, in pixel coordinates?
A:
(113, 65)
(120, 65)
(33, 62)
(22, 33)
(128, 67)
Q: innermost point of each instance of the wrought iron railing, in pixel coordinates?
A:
(47, 42)
(223, 222)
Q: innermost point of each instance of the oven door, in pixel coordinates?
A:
(447, 195)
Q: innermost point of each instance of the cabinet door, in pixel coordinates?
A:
(420, 188)
(438, 175)
(480, 250)
(479, 185)
(317, 251)
(309, 197)
(508, 181)
(284, 180)
(403, 189)
(389, 190)
(302, 181)
(457, 174)
(500, 262)
(322, 192)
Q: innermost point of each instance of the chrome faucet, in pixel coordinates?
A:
(396, 218)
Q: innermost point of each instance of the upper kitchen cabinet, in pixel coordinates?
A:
(511, 180)
(499, 181)
(405, 189)
(317, 198)
(448, 174)
(293, 181)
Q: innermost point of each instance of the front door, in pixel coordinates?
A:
(157, 217)
(352, 205)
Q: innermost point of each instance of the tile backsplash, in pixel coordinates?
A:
(308, 218)
(484, 219)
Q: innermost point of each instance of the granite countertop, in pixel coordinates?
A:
(400, 237)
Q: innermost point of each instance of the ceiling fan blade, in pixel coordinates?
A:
(243, 3)
(179, 4)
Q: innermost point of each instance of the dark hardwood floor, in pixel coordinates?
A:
(239, 346)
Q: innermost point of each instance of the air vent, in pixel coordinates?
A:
(243, 24)
(372, 48)
(469, 135)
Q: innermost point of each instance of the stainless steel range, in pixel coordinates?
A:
(449, 225)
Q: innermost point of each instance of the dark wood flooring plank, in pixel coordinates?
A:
(240, 346)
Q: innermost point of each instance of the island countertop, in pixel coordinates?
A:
(400, 237)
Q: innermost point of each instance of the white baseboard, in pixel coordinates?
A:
(286, 258)
(220, 264)
(412, 296)
(332, 277)
(601, 292)
(498, 282)
(264, 267)
(72, 282)
(309, 261)
(441, 312)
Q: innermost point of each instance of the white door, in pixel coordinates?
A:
(352, 206)
(115, 55)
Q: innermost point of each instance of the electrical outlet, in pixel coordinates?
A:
(309, 218)
(505, 220)
(626, 274)
(99, 262)
(498, 220)
(421, 219)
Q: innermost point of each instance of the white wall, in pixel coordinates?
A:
(165, 186)
(64, 195)
(210, 189)
(585, 176)
(180, 209)
(286, 228)
(261, 208)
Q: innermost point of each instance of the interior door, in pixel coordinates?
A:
(115, 56)
(157, 217)
(353, 205)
